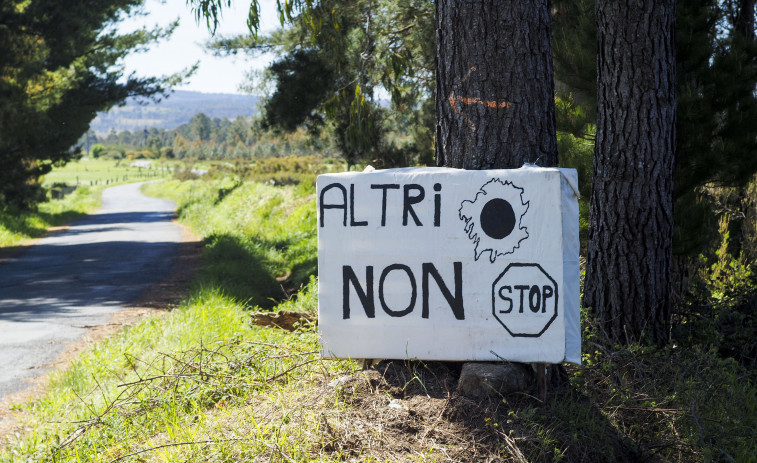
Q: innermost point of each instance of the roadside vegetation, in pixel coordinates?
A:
(15, 228)
(260, 239)
(204, 383)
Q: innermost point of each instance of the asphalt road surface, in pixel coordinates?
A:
(51, 293)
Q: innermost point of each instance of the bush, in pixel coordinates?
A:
(288, 170)
(112, 154)
(719, 310)
(96, 150)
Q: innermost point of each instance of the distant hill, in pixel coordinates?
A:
(173, 111)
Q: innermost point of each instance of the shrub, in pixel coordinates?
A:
(96, 150)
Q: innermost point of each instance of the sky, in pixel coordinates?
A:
(185, 47)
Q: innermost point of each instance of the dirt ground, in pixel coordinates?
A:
(157, 299)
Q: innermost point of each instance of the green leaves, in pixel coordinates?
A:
(212, 11)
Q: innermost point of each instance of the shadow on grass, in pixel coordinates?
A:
(224, 192)
(246, 271)
(21, 226)
(570, 427)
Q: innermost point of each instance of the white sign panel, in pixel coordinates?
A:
(449, 264)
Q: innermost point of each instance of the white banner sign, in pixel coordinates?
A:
(449, 264)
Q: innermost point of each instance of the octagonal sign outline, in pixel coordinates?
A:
(494, 300)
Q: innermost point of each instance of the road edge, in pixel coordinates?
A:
(157, 300)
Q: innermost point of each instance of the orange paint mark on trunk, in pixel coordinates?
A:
(488, 104)
(453, 101)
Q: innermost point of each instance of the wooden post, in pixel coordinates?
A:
(541, 380)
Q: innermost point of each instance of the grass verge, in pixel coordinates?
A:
(17, 228)
(261, 241)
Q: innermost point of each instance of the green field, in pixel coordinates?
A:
(88, 171)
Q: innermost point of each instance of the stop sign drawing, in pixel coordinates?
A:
(524, 300)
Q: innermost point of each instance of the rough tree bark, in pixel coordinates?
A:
(495, 91)
(631, 227)
(744, 21)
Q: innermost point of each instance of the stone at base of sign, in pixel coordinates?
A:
(479, 380)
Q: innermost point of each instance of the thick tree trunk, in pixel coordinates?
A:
(744, 23)
(495, 93)
(631, 227)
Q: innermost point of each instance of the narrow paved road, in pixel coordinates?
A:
(52, 292)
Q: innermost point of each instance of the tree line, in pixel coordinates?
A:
(205, 138)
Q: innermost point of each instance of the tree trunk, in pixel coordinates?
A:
(631, 227)
(495, 93)
(744, 23)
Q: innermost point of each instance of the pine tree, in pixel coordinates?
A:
(716, 80)
(333, 56)
(631, 220)
(495, 93)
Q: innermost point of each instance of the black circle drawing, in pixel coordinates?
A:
(497, 218)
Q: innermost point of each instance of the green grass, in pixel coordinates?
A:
(88, 171)
(186, 377)
(17, 228)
